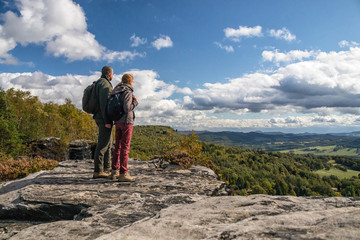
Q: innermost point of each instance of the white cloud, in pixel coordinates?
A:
(242, 31)
(345, 43)
(162, 42)
(328, 81)
(204, 122)
(294, 55)
(225, 47)
(321, 92)
(252, 91)
(155, 105)
(8, 59)
(75, 47)
(112, 56)
(137, 41)
(47, 87)
(147, 87)
(185, 91)
(272, 93)
(283, 33)
(6, 45)
(41, 20)
(59, 25)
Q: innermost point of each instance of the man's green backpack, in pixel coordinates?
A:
(90, 100)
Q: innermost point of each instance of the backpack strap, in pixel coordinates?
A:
(96, 85)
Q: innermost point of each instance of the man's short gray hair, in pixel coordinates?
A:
(106, 70)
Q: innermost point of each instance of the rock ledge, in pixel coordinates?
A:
(170, 203)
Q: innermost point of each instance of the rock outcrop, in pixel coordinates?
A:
(79, 150)
(165, 202)
(49, 147)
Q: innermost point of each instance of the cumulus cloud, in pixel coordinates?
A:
(330, 80)
(291, 56)
(323, 91)
(185, 91)
(8, 59)
(155, 105)
(47, 87)
(148, 87)
(283, 33)
(252, 91)
(137, 41)
(59, 25)
(6, 45)
(225, 47)
(242, 31)
(201, 109)
(75, 47)
(162, 42)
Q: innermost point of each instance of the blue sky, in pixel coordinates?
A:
(291, 66)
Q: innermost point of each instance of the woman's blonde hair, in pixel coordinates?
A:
(127, 78)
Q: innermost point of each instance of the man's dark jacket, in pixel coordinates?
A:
(104, 89)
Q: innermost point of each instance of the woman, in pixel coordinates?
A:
(124, 127)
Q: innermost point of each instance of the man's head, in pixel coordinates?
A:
(128, 78)
(108, 72)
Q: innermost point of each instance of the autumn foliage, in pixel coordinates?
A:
(13, 169)
(186, 151)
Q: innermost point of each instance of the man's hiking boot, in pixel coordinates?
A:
(107, 169)
(101, 175)
(114, 174)
(126, 177)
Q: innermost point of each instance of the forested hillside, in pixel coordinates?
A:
(23, 117)
(255, 171)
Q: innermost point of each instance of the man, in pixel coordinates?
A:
(103, 149)
(124, 127)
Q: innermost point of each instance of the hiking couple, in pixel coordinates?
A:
(124, 127)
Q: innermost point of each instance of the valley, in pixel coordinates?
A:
(346, 144)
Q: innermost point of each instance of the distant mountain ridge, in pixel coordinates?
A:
(278, 141)
(350, 134)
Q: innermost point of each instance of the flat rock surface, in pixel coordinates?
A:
(252, 217)
(170, 203)
(66, 203)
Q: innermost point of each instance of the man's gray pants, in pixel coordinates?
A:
(102, 158)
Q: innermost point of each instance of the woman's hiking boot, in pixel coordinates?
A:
(114, 174)
(126, 177)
